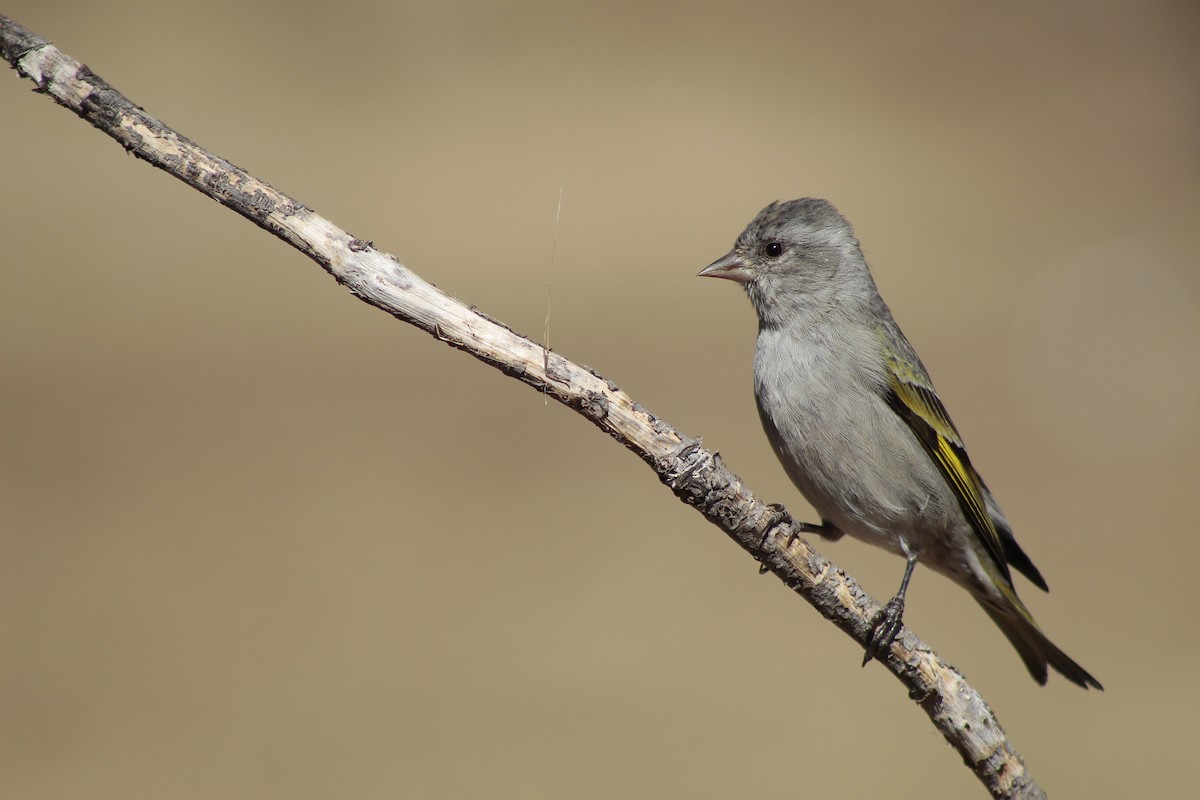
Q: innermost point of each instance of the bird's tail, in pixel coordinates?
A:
(1034, 648)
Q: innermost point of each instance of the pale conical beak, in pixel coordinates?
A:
(730, 267)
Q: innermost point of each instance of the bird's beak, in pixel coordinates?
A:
(730, 267)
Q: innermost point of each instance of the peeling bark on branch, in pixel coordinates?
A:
(696, 476)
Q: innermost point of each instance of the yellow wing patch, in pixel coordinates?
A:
(914, 401)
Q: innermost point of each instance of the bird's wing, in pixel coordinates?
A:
(912, 397)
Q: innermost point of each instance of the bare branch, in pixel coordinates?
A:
(696, 476)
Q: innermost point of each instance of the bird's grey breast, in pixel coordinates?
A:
(825, 415)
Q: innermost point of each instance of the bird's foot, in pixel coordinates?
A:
(884, 629)
(778, 515)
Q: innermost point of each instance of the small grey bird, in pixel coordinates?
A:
(853, 417)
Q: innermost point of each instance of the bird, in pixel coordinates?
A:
(852, 415)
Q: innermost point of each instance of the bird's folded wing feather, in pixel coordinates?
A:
(912, 398)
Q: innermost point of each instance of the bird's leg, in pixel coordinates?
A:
(888, 622)
(826, 530)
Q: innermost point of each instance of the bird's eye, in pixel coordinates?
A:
(773, 249)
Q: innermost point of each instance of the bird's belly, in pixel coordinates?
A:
(862, 469)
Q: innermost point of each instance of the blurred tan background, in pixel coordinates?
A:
(260, 540)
